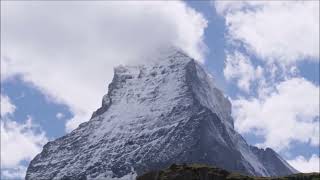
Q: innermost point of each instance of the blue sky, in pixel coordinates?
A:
(48, 71)
(31, 102)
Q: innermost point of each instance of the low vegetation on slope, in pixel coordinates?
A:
(204, 172)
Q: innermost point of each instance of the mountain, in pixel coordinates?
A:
(204, 172)
(163, 112)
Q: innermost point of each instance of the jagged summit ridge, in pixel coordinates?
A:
(166, 111)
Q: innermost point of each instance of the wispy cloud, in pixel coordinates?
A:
(239, 67)
(19, 142)
(59, 115)
(7, 107)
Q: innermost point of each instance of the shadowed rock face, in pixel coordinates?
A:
(204, 172)
(164, 112)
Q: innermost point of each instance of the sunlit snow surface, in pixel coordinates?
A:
(165, 111)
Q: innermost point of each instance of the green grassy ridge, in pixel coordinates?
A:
(204, 172)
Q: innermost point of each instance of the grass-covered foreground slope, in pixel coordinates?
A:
(204, 172)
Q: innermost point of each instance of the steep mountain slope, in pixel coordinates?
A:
(166, 111)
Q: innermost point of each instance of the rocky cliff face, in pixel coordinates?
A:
(164, 112)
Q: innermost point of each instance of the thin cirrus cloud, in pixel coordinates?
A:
(68, 49)
(278, 35)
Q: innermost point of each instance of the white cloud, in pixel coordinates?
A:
(283, 107)
(19, 142)
(280, 31)
(306, 165)
(288, 113)
(6, 106)
(59, 115)
(239, 67)
(68, 49)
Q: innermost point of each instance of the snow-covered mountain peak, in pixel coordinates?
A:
(154, 114)
(173, 74)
